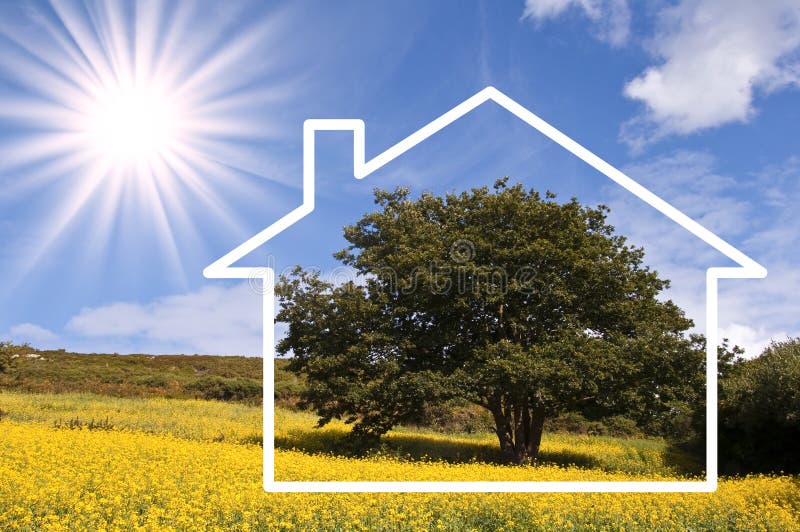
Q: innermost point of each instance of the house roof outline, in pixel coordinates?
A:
(223, 268)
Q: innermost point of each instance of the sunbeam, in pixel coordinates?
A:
(129, 108)
(133, 124)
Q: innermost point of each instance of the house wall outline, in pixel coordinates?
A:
(223, 268)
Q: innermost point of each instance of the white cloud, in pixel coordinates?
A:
(611, 18)
(33, 334)
(716, 55)
(212, 320)
(689, 180)
(751, 311)
(777, 238)
(753, 340)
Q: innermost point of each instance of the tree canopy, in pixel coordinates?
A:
(759, 412)
(506, 298)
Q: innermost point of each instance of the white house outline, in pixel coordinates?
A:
(223, 269)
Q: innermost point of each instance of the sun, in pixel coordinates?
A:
(135, 122)
(132, 124)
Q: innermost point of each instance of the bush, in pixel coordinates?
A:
(759, 412)
(289, 386)
(456, 417)
(574, 423)
(154, 381)
(622, 427)
(226, 389)
(8, 354)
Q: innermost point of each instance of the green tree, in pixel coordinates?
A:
(685, 423)
(759, 415)
(8, 354)
(513, 301)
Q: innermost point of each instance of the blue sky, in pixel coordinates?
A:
(697, 100)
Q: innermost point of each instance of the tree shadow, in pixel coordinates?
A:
(686, 460)
(639, 456)
(570, 458)
(405, 446)
(327, 440)
(421, 447)
(441, 448)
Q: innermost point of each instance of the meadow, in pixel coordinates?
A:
(83, 461)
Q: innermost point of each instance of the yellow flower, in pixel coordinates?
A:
(165, 468)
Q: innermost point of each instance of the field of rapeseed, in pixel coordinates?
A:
(159, 464)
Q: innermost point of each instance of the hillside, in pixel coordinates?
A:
(228, 378)
(174, 376)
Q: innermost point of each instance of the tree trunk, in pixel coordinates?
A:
(519, 430)
(535, 433)
(503, 430)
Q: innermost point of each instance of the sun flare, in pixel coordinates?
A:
(138, 119)
(133, 125)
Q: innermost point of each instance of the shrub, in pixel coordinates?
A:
(288, 385)
(154, 381)
(759, 413)
(8, 353)
(622, 427)
(226, 389)
(574, 423)
(456, 417)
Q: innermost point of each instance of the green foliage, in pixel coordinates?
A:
(9, 353)
(151, 381)
(175, 376)
(226, 389)
(5, 357)
(759, 412)
(686, 423)
(575, 423)
(289, 386)
(456, 417)
(621, 427)
(507, 299)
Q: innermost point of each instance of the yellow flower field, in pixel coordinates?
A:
(192, 419)
(131, 479)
